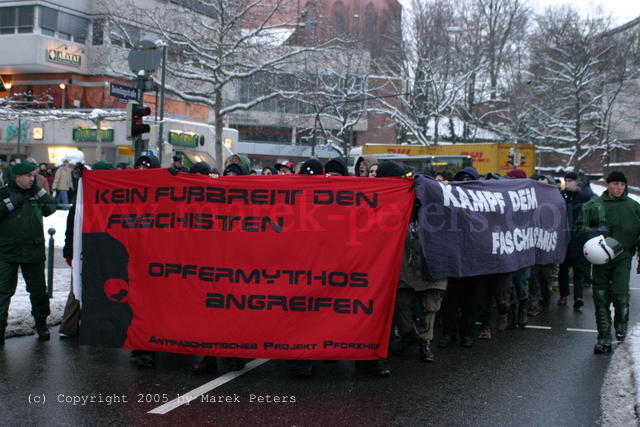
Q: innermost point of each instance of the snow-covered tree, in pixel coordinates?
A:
(214, 45)
(336, 91)
(570, 67)
(433, 77)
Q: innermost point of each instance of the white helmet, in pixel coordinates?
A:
(601, 250)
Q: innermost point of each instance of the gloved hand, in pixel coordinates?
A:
(36, 191)
(173, 171)
(17, 199)
(69, 261)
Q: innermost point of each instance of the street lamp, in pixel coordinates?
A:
(63, 86)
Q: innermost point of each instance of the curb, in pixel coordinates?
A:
(633, 345)
(620, 392)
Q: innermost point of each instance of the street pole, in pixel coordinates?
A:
(99, 139)
(161, 128)
(19, 128)
(137, 142)
(313, 141)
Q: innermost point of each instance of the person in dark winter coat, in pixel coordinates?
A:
(336, 167)
(574, 260)
(202, 168)
(71, 316)
(542, 275)
(233, 169)
(311, 167)
(363, 165)
(411, 285)
(268, 170)
(467, 174)
(459, 305)
(177, 165)
(147, 162)
(22, 205)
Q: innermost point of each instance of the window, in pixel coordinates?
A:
(124, 35)
(49, 19)
(7, 20)
(97, 32)
(20, 18)
(25, 19)
(63, 25)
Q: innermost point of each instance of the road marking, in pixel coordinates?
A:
(548, 328)
(196, 392)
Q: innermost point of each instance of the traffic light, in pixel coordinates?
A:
(135, 125)
(521, 161)
(512, 157)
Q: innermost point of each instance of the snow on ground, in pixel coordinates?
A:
(20, 321)
(618, 393)
(57, 221)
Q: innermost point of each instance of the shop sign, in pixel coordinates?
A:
(90, 135)
(65, 58)
(22, 127)
(186, 139)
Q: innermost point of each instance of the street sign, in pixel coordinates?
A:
(123, 92)
(144, 56)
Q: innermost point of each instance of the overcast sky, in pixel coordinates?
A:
(621, 10)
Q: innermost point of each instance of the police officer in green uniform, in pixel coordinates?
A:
(615, 215)
(22, 206)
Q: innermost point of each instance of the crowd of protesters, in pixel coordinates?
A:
(455, 310)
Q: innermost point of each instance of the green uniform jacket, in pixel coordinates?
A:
(621, 216)
(21, 234)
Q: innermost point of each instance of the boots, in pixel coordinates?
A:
(426, 355)
(236, 363)
(522, 313)
(503, 322)
(42, 330)
(377, 368)
(208, 365)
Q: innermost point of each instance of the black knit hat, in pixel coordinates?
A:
(616, 176)
(388, 169)
(202, 168)
(311, 167)
(571, 175)
(234, 167)
(338, 166)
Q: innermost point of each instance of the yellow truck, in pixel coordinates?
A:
(487, 157)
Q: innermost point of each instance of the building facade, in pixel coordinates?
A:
(67, 55)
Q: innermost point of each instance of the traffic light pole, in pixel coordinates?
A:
(138, 143)
(164, 70)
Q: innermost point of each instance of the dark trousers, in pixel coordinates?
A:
(579, 265)
(611, 285)
(458, 307)
(540, 283)
(494, 288)
(33, 274)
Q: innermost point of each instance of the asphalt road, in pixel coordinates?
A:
(521, 377)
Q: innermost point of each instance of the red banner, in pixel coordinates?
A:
(290, 267)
